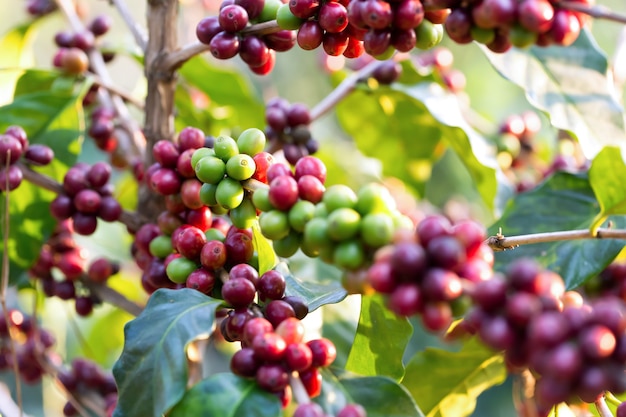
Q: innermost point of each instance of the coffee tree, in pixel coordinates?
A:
(271, 284)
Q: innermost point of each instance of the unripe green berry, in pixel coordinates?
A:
(240, 167)
(200, 153)
(274, 224)
(428, 34)
(261, 200)
(343, 224)
(214, 234)
(225, 148)
(251, 141)
(207, 194)
(161, 246)
(179, 269)
(316, 234)
(210, 170)
(244, 215)
(300, 213)
(286, 20)
(339, 196)
(229, 193)
(374, 198)
(349, 254)
(287, 246)
(270, 8)
(377, 229)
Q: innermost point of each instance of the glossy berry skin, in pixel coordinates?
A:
(309, 410)
(269, 346)
(271, 285)
(310, 35)
(277, 311)
(238, 292)
(233, 18)
(324, 352)
(224, 45)
(12, 176)
(352, 410)
(207, 29)
(254, 52)
(283, 192)
(333, 17)
(272, 377)
(244, 363)
(10, 149)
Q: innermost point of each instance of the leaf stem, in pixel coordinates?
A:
(177, 58)
(298, 390)
(343, 89)
(137, 31)
(500, 243)
(612, 398)
(597, 11)
(603, 408)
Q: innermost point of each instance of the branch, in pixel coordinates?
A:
(118, 92)
(177, 58)
(602, 407)
(297, 387)
(597, 11)
(343, 89)
(129, 218)
(108, 294)
(500, 243)
(137, 31)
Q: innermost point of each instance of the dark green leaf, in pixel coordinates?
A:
(446, 384)
(227, 395)
(380, 340)
(151, 373)
(573, 86)
(564, 202)
(408, 127)
(53, 118)
(232, 100)
(606, 177)
(264, 250)
(380, 396)
(314, 293)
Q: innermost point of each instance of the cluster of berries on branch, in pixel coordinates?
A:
(85, 379)
(14, 146)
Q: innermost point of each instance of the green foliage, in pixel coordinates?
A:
(380, 340)
(563, 202)
(573, 86)
(51, 114)
(154, 351)
(227, 395)
(606, 179)
(446, 384)
(267, 257)
(231, 103)
(315, 294)
(380, 396)
(416, 122)
(16, 55)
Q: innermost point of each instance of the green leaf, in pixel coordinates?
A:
(380, 396)
(573, 86)
(564, 202)
(415, 123)
(151, 373)
(227, 395)
(446, 384)
(606, 177)
(315, 294)
(16, 55)
(380, 340)
(53, 118)
(232, 100)
(264, 249)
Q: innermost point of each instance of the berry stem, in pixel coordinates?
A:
(129, 218)
(602, 407)
(253, 185)
(298, 390)
(177, 58)
(499, 242)
(5, 284)
(118, 92)
(108, 294)
(137, 31)
(597, 11)
(342, 90)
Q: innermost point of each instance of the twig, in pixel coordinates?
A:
(129, 218)
(602, 407)
(343, 89)
(108, 294)
(597, 11)
(118, 92)
(5, 283)
(253, 185)
(137, 31)
(499, 242)
(297, 387)
(177, 58)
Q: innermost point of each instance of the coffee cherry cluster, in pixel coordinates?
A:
(62, 264)
(224, 167)
(500, 24)
(288, 129)
(322, 23)
(28, 342)
(391, 26)
(315, 410)
(271, 353)
(101, 129)
(611, 281)
(38, 8)
(226, 38)
(85, 379)
(424, 272)
(87, 195)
